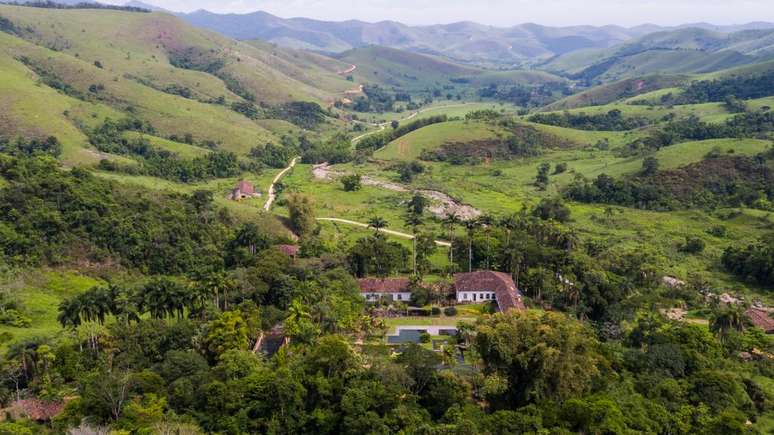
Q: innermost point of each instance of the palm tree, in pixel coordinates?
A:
(470, 225)
(487, 221)
(70, 313)
(377, 223)
(731, 318)
(414, 221)
(451, 222)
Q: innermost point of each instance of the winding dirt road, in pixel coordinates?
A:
(390, 232)
(272, 194)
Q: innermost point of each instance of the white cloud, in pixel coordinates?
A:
(501, 12)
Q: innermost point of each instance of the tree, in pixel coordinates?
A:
(417, 204)
(302, 216)
(471, 226)
(450, 222)
(727, 319)
(543, 356)
(299, 325)
(351, 183)
(395, 124)
(201, 200)
(541, 180)
(377, 223)
(552, 209)
(650, 166)
(227, 332)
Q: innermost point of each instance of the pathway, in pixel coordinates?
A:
(390, 232)
(272, 193)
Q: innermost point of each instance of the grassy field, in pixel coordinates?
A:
(40, 293)
(410, 146)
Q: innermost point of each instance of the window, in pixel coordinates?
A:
(481, 296)
(400, 297)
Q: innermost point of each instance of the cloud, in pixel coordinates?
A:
(500, 12)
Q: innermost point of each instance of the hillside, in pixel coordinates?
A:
(151, 66)
(389, 67)
(681, 51)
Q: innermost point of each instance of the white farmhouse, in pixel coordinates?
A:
(373, 289)
(486, 286)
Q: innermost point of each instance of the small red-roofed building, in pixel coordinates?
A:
(761, 318)
(243, 190)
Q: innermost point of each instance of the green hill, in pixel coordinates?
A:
(412, 71)
(681, 51)
(80, 66)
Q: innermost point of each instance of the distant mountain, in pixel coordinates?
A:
(468, 42)
(143, 5)
(682, 51)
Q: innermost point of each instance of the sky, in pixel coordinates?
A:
(500, 12)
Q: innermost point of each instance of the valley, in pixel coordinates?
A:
(217, 223)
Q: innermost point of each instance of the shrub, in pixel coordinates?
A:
(435, 311)
(425, 338)
(450, 311)
(352, 183)
(693, 245)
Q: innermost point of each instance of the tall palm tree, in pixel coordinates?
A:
(730, 318)
(471, 226)
(414, 221)
(451, 221)
(70, 313)
(486, 221)
(377, 223)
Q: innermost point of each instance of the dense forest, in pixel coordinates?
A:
(173, 351)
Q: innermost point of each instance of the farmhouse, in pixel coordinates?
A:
(373, 289)
(486, 286)
(243, 190)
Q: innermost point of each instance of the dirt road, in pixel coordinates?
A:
(390, 232)
(272, 193)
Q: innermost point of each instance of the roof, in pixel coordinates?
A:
(507, 295)
(289, 250)
(761, 319)
(245, 187)
(384, 285)
(37, 410)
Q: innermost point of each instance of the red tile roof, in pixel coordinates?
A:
(761, 319)
(289, 250)
(245, 187)
(37, 410)
(384, 285)
(507, 295)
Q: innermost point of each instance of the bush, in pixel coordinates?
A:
(693, 245)
(352, 183)
(435, 311)
(425, 338)
(450, 311)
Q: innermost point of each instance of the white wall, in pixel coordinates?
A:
(468, 297)
(401, 297)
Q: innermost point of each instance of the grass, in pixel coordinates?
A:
(410, 146)
(40, 293)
